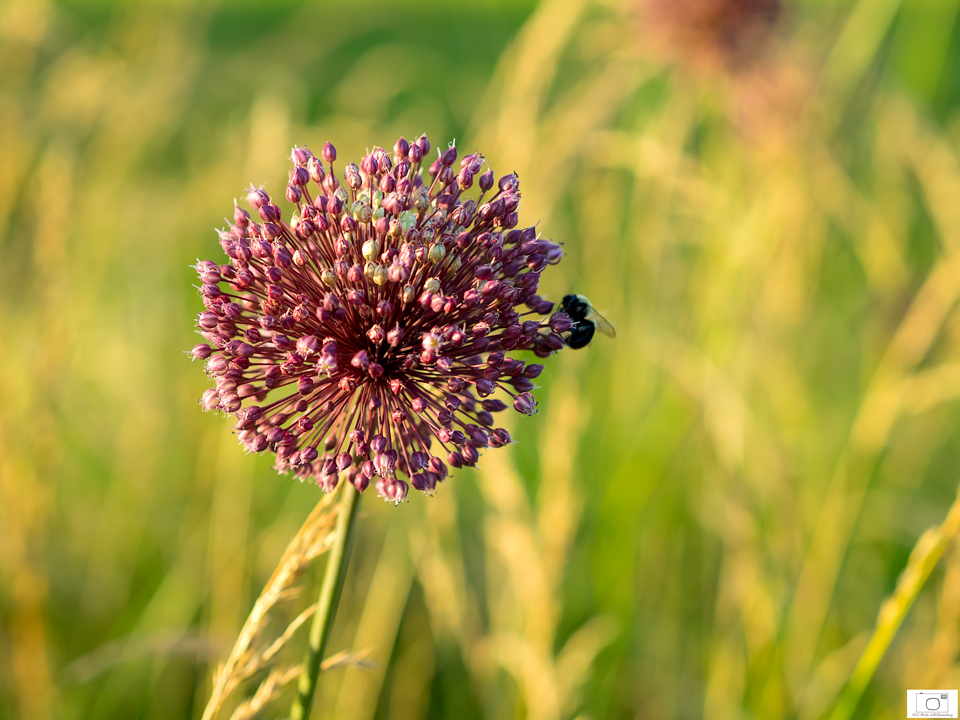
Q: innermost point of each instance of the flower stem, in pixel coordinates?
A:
(327, 603)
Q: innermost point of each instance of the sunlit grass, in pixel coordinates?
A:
(712, 509)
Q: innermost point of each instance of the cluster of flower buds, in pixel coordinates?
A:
(367, 336)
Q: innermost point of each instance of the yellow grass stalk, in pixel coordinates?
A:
(926, 553)
(314, 537)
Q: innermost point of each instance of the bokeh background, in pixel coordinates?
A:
(709, 512)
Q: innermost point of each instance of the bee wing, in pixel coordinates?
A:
(603, 325)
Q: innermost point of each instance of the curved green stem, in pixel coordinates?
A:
(327, 604)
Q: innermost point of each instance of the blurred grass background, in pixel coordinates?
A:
(708, 512)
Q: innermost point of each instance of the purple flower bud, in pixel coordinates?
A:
(243, 349)
(486, 181)
(400, 148)
(305, 385)
(533, 371)
(449, 156)
(270, 213)
(512, 367)
(360, 360)
(469, 455)
(395, 336)
(300, 155)
(376, 334)
(436, 466)
(378, 443)
(393, 490)
(553, 342)
(361, 482)
(335, 203)
(424, 144)
(207, 320)
(384, 464)
(328, 481)
(299, 176)
(257, 197)
(509, 183)
(525, 404)
(418, 461)
(210, 399)
(522, 384)
(352, 175)
(308, 345)
(240, 216)
(485, 387)
(329, 153)
(315, 169)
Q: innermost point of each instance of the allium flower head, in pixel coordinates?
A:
(367, 334)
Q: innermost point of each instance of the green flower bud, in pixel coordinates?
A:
(371, 248)
(407, 221)
(421, 201)
(380, 275)
(329, 277)
(368, 269)
(408, 293)
(363, 214)
(437, 252)
(432, 285)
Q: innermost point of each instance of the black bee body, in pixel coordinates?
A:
(578, 308)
